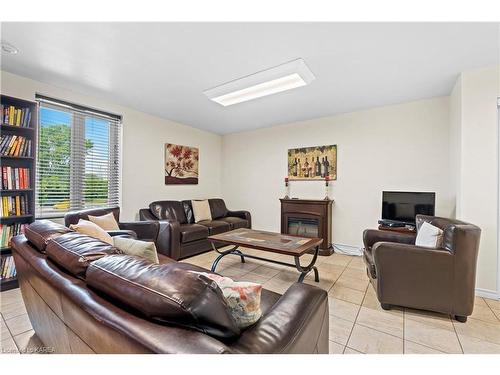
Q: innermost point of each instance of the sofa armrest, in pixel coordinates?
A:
(243, 215)
(145, 214)
(372, 236)
(297, 323)
(169, 239)
(146, 231)
(122, 233)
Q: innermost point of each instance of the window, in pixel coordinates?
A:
(77, 158)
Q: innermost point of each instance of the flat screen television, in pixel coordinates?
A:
(402, 207)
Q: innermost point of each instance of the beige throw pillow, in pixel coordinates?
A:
(201, 210)
(138, 248)
(106, 222)
(429, 236)
(92, 230)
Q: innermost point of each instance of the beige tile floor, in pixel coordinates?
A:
(357, 323)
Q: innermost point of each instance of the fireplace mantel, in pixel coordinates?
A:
(312, 216)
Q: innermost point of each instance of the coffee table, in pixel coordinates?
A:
(271, 242)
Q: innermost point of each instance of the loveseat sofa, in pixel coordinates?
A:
(180, 237)
(83, 296)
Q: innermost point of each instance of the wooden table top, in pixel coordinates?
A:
(268, 241)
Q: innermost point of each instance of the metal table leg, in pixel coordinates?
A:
(304, 270)
(233, 250)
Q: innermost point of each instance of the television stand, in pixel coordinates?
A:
(404, 229)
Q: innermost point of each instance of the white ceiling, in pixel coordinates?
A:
(163, 68)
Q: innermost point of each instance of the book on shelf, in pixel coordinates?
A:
(15, 116)
(15, 178)
(7, 268)
(15, 145)
(9, 231)
(14, 205)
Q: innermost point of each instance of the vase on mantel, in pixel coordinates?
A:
(327, 183)
(287, 189)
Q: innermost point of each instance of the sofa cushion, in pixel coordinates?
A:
(168, 210)
(188, 210)
(74, 251)
(236, 222)
(163, 259)
(217, 208)
(165, 293)
(41, 231)
(215, 226)
(193, 232)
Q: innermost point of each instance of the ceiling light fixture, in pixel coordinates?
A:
(283, 77)
(9, 48)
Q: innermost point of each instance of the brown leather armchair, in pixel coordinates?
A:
(441, 280)
(137, 229)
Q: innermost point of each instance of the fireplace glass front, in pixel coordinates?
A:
(303, 227)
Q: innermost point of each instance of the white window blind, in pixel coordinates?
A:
(78, 158)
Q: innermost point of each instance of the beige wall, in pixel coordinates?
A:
(399, 147)
(143, 141)
(456, 144)
(478, 200)
(449, 145)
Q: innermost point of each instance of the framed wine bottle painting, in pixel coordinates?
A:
(181, 165)
(312, 163)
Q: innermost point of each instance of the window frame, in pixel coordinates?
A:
(78, 114)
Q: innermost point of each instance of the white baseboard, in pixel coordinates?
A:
(347, 249)
(487, 293)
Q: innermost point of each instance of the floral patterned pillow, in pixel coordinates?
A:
(243, 298)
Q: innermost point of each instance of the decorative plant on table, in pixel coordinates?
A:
(181, 164)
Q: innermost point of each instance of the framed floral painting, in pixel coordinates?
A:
(181, 165)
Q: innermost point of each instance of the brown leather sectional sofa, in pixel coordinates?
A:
(441, 280)
(180, 237)
(83, 296)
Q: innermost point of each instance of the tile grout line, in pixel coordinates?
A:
(12, 336)
(428, 346)
(458, 337)
(491, 309)
(404, 336)
(357, 315)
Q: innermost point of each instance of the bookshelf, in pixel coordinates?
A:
(25, 128)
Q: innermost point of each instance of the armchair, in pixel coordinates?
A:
(441, 280)
(145, 231)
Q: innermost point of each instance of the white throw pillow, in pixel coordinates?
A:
(429, 236)
(106, 222)
(92, 230)
(201, 210)
(138, 248)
